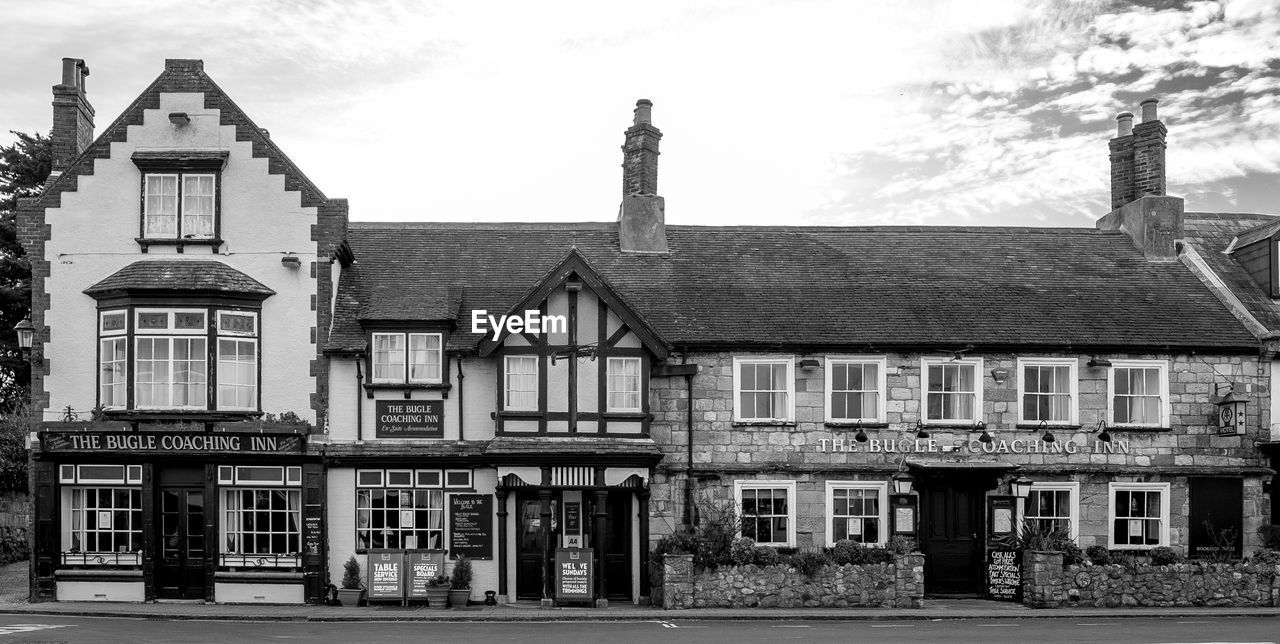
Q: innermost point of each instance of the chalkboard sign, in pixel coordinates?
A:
(409, 419)
(311, 535)
(424, 565)
(385, 575)
(471, 525)
(574, 575)
(1004, 574)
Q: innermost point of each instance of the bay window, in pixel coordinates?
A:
(399, 509)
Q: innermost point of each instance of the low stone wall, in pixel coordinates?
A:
(15, 513)
(1046, 583)
(899, 584)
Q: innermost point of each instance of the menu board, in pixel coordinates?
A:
(385, 578)
(424, 565)
(574, 575)
(1004, 575)
(471, 525)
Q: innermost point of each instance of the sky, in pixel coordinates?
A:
(841, 112)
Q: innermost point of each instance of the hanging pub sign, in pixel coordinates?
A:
(423, 565)
(471, 525)
(1231, 415)
(409, 419)
(385, 576)
(1004, 574)
(574, 575)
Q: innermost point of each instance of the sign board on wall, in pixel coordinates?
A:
(385, 575)
(903, 509)
(471, 525)
(1004, 574)
(409, 419)
(424, 565)
(574, 575)
(134, 442)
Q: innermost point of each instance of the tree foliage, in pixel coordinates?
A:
(24, 168)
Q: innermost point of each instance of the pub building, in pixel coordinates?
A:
(549, 399)
(175, 283)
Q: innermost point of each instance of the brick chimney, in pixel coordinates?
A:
(1139, 206)
(72, 115)
(642, 216)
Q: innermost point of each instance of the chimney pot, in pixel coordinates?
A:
(1124, 124)
(1149, 110)
(644, 112)
(70, 75)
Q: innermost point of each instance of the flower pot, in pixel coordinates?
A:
(437, 596)
(350, 597)
(458, 597)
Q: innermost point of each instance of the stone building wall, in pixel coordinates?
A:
(1048, 584)
(811, 451)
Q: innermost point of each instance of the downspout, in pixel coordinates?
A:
(688, 472)
(461, 435)
(359, 402)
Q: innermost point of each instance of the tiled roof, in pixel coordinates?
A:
(1211, 233)
(854, 287)
(180, 275)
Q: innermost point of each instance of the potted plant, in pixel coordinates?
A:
(352, 591)
(437, 592)
(460, 583)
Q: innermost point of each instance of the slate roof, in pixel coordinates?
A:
(179, 275)
(1211, 234)
(774, 286)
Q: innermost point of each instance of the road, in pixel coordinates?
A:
(50, 629)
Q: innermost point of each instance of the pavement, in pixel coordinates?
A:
(13, 601)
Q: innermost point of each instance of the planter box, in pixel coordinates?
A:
(260, 427)
(437, 597)
(458, 597)
(350, 597)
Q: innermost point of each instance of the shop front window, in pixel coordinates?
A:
(399, 509)
(102, 515)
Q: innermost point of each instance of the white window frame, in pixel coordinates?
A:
(882, 491)
(610, 391)
(1164, 403)
(229, 527)
(223, 373)
(1073, 366)
(1073, 505)
(882, 364)
(506, 382)
(69, 532)
(789, 362)
(415, 486)
(179, 209)
(404, 354)
(789, 486)
(1163, 488)
(978, 378)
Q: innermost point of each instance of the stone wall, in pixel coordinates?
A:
(892, 585)
(1046, 583)
(15, 513)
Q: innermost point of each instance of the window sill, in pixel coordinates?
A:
(764, 423)
(850, 425)
(626, 415)
(406, 387)
(146, 242)
(178, 415)
(1034, 426)
(523, 415)
(1137, 428)
(958, 426)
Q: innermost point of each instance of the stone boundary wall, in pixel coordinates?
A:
(891, 585)
(1046, 583)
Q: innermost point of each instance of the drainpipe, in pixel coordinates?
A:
(359, 401)
(688, 491)
(460, 407)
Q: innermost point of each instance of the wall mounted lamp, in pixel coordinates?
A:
(903, 482)
(985, 437)
(861, 436)
(920, 432)
(1048, 436)
(1021, 487)
(1101, 431)
(809, 363)
(291, 261)
(179, 119)
(26, 334)
(1095, 361)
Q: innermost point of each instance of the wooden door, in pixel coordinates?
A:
(616, 546)
(951, 529)
(531, 546)
(180, 566)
